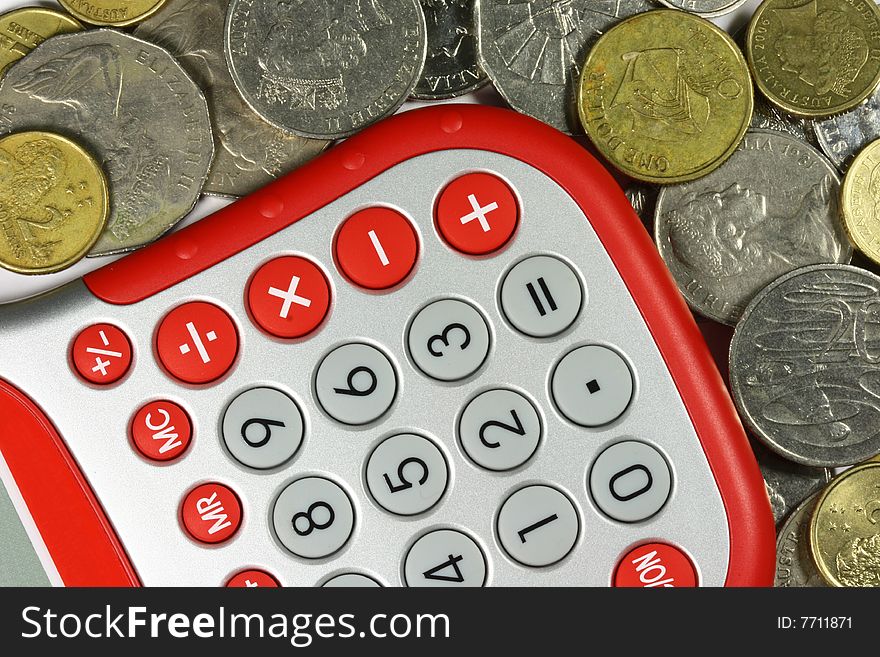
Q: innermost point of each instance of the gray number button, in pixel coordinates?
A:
(407, 474)
(313, 517)
(499, 429)
(449, 340)
(541, 296)
(351, 581)
(538, 525)
(262, 428)
(356, 383)
(630, 481)
(445, 557)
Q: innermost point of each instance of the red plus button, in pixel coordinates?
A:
(161, 430)
(211, 513)
(288, 297)
(253, 579)
(197, 342)
(655, 565)
(477, 213)
(101, 354)
(377, 248)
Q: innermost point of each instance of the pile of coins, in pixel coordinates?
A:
(753, 159)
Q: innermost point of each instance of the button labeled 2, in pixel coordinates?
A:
(499, 429)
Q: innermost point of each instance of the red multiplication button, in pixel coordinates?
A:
(197, 342)
(101, 354)
(377, 248)
(477, 213)
(252, 579)
(211, 513)
(288, 297)
(161, 430)
(655, 565)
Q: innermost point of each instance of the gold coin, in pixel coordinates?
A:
(665, 96)
(53, 202)
(861, 201)
(23, 30)
(816, 58)
(845, 528)
(112, 12)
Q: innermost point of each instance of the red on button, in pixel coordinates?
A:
(211, 513)
(253, 579)
(377, 248)
(655, 565)
(101, 354)
(197, 342)
(288, 297)
(477, 213)
(161, 430)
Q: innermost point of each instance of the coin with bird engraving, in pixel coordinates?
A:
(325, 69)
(805, 365)
(130, 104)
(248, 152)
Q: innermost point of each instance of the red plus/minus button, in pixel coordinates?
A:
(477, 213)
(377, 248)
(101, 354)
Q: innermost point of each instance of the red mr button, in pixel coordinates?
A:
(197, 342)
(377, 248)
(101, 354)
(655, 565)
(211, 513)
(288, 297)
(477, 213)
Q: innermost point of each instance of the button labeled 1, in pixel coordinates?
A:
(407, 474)
(499, 429)
(449, 340)
(592, 386)
(262, 428)
(313, 517)
(538, 526)
(630, 481)
(356, 384)
(444, 557)
(541, 296)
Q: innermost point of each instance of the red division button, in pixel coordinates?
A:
(197, 342)
(655, 565)
(477, 213)
(101, 354)
(211, 513)
(288, 297)
(161, 430)
(376, 248)
(252, 579)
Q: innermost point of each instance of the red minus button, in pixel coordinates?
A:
(376, 248)
(655, 565)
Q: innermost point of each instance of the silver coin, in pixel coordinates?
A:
(766, 116)
(132, 105)
(794, 563)
(788, 483)
(805, 365)
(533, 50)
(248, 152)
(705, 8)
(451, 67)
(843, 136)
(643, 198)
(771, 208)
(325, 69)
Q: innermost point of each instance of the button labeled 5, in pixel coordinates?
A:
(407, 474)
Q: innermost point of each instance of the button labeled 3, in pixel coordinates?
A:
(449, 340)
(262, 428)
(356, 383)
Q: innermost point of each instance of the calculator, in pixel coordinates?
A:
(445, 353)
